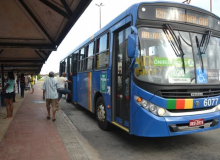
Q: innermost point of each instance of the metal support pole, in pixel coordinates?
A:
(100, 17)
(3, 85)
(99, 5)
(210, 5)
(18, 79)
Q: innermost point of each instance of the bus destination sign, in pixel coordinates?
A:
(150, 35)
(176, 15)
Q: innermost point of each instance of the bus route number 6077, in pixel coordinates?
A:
(210, 102)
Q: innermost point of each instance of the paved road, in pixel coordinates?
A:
(117, 144)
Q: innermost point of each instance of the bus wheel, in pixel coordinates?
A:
(68, 98)
(101, 114)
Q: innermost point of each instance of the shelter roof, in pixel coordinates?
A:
(31, 29)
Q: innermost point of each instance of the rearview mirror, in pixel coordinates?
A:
(131, 47)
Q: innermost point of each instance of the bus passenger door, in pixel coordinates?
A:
(121, 78)
(69, 73)
(74, 80)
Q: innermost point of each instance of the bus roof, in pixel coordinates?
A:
(133, 10)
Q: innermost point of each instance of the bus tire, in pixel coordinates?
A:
(101, 114)
(68, 98)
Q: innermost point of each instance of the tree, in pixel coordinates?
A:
(38, 77)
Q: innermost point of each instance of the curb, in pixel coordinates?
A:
(76, 145)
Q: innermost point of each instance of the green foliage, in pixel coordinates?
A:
(38, 77)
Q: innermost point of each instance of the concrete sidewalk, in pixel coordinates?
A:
(30, 136)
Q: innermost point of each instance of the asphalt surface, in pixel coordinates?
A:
(117, 144)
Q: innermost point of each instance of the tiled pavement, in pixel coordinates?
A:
(5, 123)
(30, 136)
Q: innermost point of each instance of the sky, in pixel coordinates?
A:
(88, 24)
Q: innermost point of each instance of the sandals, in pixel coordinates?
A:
(52, 119)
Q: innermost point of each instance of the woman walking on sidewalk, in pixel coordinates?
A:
(9, 88)
(22, 85)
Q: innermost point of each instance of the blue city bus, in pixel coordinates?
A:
(153, 71)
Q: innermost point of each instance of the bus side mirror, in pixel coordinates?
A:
(131, 47)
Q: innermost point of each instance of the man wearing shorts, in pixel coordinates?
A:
(62, 80)
(32, 83)
(50, 93)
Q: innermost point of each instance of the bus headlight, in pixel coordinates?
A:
(161, 111)
(150, 107)
(153, 108)
(218, 107)
(144, 104)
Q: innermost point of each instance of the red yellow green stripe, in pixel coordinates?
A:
(171, 104)
(188, 103)
(179, 103)
(90, 91)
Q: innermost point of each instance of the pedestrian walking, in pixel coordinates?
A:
(18, 83)
(14, 95)
(28, 81)
(9, 89)
(62, 80)
(22, 85)
(50, 93)
(32, 83)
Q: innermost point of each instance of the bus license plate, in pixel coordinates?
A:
(196, 122)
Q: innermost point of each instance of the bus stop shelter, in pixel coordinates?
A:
(31, 29)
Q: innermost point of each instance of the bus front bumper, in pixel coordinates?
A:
(146, 124)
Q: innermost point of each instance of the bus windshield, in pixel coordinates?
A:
(210, 59)
(159, 62)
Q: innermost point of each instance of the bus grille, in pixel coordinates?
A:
(190, 93)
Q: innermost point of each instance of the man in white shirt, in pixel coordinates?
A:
(50, 93)
(62, 80)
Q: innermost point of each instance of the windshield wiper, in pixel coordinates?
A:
(175, 43)
(171, 42)
(200, 53)
(205, 41)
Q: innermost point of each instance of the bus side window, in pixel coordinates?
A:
(70, 66)
(89, 56)
(75, 62)
(81, 58)
(85, 59)
(102, 52)
(64, 65)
